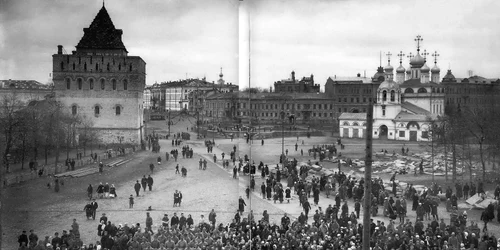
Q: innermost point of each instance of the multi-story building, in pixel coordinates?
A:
(24, 90)
(270, 108)
(100, 81)
(146, 98)
(473, 92)
(186, 94)
(290, 85)
(351, 94)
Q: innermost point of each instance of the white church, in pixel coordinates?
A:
(405, 107)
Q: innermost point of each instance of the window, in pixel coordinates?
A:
(74, 66)
(102, 84)
(114, 84)
(130, 68)
(401, 133)
(62, 66)
(85, 66)
(393, 95)
(118, 110)
(125, 84)
(384, 96)
(425, 134)
(68, 83)
(383, 110)
(74, 110)
(91, 83)
(96, 66)
(80, 84)
(97, 110)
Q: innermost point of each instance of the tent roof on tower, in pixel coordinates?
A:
(353, 116)
(102, 34)
(414, 108)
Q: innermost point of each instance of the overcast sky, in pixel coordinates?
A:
(320, 37)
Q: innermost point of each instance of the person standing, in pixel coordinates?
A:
(94, 206)
(106, 190)
(177, 169)
(180, 198)
(149, 223)
(90, 191)
(201, 164)
(211, 218)
(151, 167)
(159, 160)
(235, 172)
(144, 182)
(150, 182)
(131, 201)
(33, 238)
(137, 188)
(23, 239)
(241, 205)
(100, 190)
(176, 197)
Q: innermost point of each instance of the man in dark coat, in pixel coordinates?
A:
(241, 205)
(94, 206)
(144, 182)
(150, 182)
(137, 188)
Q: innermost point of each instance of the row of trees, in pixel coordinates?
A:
(470, 134)
(30, 131)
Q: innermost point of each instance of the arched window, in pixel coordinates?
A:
(393, 95)
(384, 96)
(107, 67)
(409, 91)
(91, 83)
(80, 83)
(96, 66)
(125, 84)
(114, 84)
(97, 110)
(355, 124)
(102, 84)
(74, 66)
(62, 66)
(422, 90)
(68, 83)
(85, 66)
(130, 68)
(118, 110)
(119, 66)
(345, 123)
(74, 110)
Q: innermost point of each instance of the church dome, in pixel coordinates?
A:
(400, 69)
(388, 84)
(449, 77)
(435, 69)
(417, 61)
(388, 68)
(425, 68)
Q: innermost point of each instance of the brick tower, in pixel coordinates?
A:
(102, 82)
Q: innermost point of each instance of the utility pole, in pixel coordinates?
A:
(169, 110)
(368, 176)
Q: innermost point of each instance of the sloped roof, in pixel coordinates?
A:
(416, 83)
(353, 116)
(414, 108)
(101, 34)
(406, 116)
(347, 80)
(23, 84)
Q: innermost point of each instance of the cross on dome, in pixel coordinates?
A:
(389, 57)
(435, 55)
(410, 55)
(419, 39)
(401, 56)
(425, 54)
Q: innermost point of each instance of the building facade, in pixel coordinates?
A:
(473, 92)
(101, 82)
(186, 94)
(351, 94)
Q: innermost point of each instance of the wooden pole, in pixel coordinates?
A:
(368, 177)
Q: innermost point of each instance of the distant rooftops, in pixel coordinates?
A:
(23, 84)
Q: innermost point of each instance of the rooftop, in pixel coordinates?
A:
(23, 84)
(350, 80)
(352, 116)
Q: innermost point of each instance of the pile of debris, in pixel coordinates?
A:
(481, 201)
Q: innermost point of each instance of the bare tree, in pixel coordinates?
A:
(10, 119)
(87, 136)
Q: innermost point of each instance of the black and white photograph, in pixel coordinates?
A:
(249, 124)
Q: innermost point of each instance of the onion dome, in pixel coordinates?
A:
(388, 68)
(417, 61)
(425, 68)
(449, 77)
(435, 69)
(400, 69)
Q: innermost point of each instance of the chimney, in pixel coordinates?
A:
(59, 49)
(293, 76)
(312, 78)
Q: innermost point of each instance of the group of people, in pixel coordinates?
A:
(145, 182)
(102, 190)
